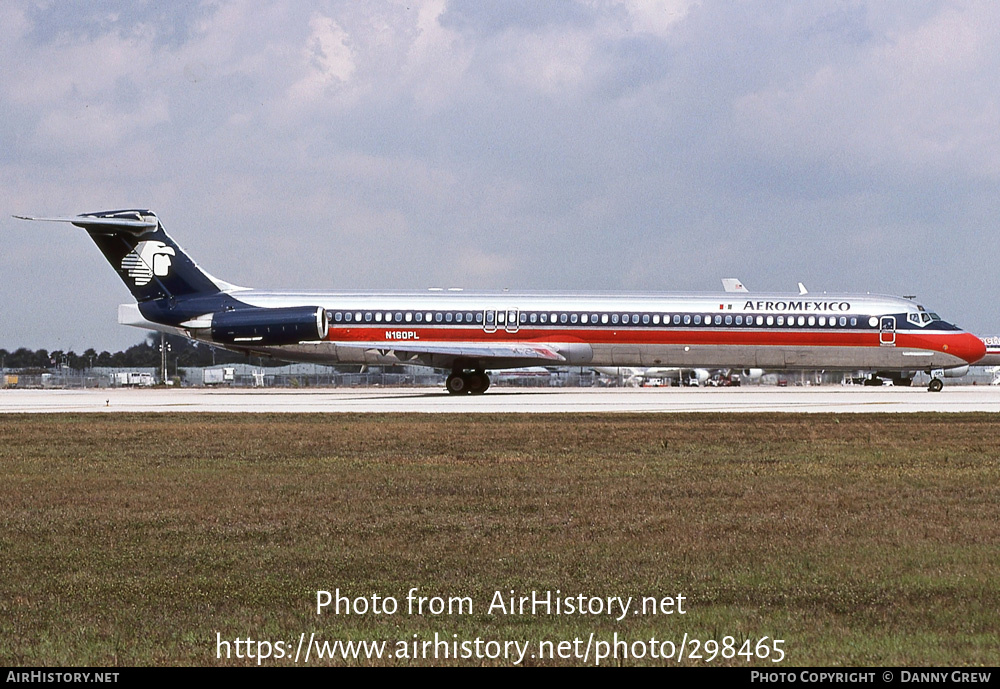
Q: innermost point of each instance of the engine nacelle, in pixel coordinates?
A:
(957, 372)
(753, 373)
(700, 375)
(261, 326)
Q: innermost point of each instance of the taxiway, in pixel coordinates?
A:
(506, 400)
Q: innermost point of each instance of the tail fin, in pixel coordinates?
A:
(147, 260)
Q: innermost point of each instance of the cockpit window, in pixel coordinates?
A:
(922, 318)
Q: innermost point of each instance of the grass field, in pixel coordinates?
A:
(855, 539)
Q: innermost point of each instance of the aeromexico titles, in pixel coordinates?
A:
(471, 333)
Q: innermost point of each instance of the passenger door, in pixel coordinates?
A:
(887, 331)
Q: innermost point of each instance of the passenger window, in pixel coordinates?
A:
(645, 319)
(760, 320)
(614, 318)
(573, 318)
(399, 317)
(458, 317)
(780, 320)
(338, 316)
(409, 316)
(770, 320)
(604, 318)
(562, 318)
(534, 318)
(812, 320)
(438, 317)
(677, 319)
(739, 320)
(729, 320)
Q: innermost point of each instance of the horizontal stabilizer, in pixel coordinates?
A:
(133, 225)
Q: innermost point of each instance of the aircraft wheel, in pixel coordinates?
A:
(936, 385)
(479, 383)
(457, 384)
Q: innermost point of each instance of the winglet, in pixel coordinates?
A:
(733, 285)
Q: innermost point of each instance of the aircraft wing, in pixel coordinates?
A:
(461, 350)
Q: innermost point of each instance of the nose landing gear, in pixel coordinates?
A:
(937, 380)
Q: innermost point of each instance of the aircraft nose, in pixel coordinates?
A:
(968, 347)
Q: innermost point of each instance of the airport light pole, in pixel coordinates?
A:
(164, 348)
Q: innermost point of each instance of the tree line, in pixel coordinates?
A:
(180, 352)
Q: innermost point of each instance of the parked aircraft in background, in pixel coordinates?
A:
(473, 332)
(992, 357)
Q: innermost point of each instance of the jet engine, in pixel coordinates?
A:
(261, 326)
(753, 373)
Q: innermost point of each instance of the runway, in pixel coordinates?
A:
(858, 400)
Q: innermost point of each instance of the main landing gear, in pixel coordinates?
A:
(471, 382)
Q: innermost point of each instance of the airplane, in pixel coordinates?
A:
(470, 333)
(992, 356)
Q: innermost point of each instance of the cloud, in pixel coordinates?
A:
(641, 144)
(328, 59)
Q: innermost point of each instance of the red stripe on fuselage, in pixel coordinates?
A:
(960, 344)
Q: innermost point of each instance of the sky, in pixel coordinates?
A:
(652, 145)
